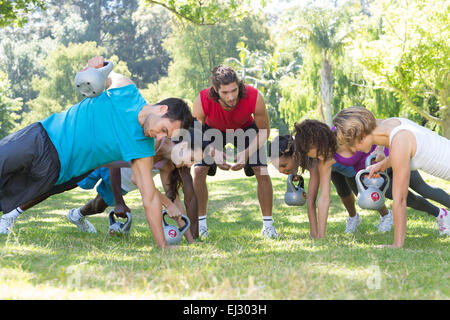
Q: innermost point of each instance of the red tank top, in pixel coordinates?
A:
(238, 118)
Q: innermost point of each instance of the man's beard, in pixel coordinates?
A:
(227, 105)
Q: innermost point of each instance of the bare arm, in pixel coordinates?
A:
(262, 122)
(311, 197)
(324, 198)
(151, 202)
(172, 210)
(197, 110)
(190, 200)
(400, 155)
(176, 205)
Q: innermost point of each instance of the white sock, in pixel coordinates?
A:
(13, 214)
(202, 222)
(267, 221)
(76, 214)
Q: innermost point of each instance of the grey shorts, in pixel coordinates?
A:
(29, 166)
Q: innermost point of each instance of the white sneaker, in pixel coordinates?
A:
(386, 222)
(82, 223)
(6, 224)
(353, 223)
(443, 221)
(269, 232)
(203, 232)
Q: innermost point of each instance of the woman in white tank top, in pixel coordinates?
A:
(411, 147)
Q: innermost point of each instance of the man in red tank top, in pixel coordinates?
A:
(234, 110)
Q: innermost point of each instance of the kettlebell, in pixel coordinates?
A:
(173, 234)
(117, 228)
(91, 82)
(295, 195)
(371, 192)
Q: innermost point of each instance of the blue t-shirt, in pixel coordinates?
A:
(98, 131)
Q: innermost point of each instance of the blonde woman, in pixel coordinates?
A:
(411, 147)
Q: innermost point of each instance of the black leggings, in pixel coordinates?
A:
(425, 190)
(345, 185)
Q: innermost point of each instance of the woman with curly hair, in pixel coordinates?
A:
(287, 161)
(316, 150)
(411, 147)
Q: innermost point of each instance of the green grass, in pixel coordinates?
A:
(47, 258)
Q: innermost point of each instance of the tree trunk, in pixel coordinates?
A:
(446, 125)
(326, 89)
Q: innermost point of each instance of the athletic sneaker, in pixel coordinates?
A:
(269, 232)
(249, 171)
(443, 221)
(203, 232)
(386, 222)
(353, 223)
(212, 170)
(82, 223)
(6, 224)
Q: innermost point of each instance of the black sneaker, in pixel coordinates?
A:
(248, 171)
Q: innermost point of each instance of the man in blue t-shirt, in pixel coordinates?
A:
(52, 155)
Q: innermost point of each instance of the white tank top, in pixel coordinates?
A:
(432, 150)
(127, 173)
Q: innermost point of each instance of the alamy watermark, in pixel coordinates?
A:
(210, 146)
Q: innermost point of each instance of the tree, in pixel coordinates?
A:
(410, 57)
(265, 71)
(15, 11)
(322, 29)
(196, 50)
(57, 90)
(8, 107)
(206, 12)
(132, 31)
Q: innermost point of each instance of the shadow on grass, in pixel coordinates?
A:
(47, 246)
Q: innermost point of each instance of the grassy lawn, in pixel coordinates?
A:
(47, 258)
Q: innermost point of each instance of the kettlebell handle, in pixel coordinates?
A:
(369, 160)
(360, 185)
(107, 68)
(290, 182)
(386, 183)
(185, 218)
(112, 220)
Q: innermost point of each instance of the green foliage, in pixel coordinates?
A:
(56, 89)
(264, 71)
(208, 12)
(21, 59)
(15, 11)
(300, 92)
(411, 55)
(197, 50)
(8, 107)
